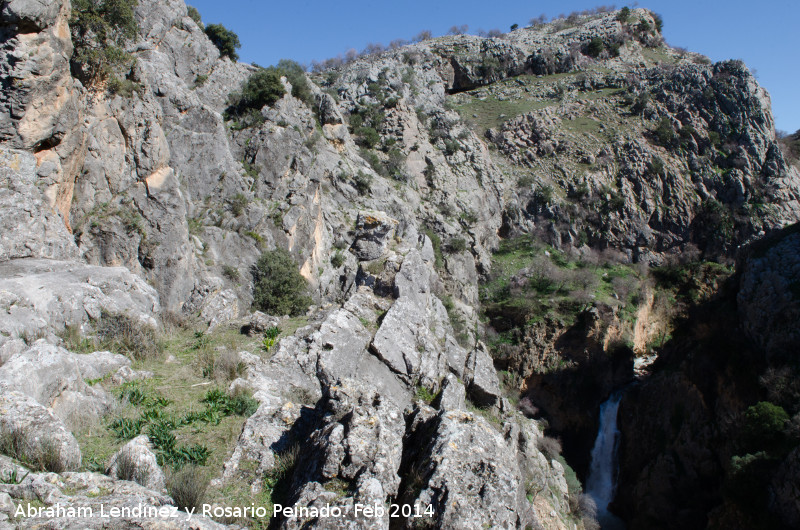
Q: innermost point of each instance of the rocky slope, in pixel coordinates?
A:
(391, 184)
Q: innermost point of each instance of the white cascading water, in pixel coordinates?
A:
(602, 480)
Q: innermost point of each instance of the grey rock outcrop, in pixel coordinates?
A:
(88, 492)
(769, 299)
(56, 378)
(40, 297)
(36, 433)
(136, 461)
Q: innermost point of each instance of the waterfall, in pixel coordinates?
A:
(602, 480)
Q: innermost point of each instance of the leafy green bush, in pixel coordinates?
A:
(194, 14)
(226, 41)
(337, 260)
(262, 88)
(231, 272)
(367, 137)
(595, 47)
(296, 75)
(99, 31)
(363, 183)
(455, 245)
(763, 425)
(279, 288)
(624, 14)
(665, 134)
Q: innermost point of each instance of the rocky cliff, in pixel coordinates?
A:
(392, 181)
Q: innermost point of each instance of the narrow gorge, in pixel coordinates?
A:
(541, 279)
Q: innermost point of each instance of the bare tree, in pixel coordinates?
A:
(458, 30)
(423, 35)
(536, 21)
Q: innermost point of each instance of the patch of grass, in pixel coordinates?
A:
(424, 394)
(187, 487)
(492, 112)
(174, 394)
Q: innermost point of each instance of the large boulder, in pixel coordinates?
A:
(31, 431)
(39, 297)
(136, 461)
(57, 378)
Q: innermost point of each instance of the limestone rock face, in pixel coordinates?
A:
(56, 378)
(473, 477)
(40, 297)
(769, 301)
(30, 227)
(90, 491)
(36, 433)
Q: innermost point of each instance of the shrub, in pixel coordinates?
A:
(194, 14)
(665, 134)
(296, 75)
(226, 41)
(123, 334)
(279, 288)
(126, 469)
(262, 88)
(367, 137)
(99, 31)
(549, 446)
(363, 183)
(624, 14)
(231, 272)
(187, 487)
(763, 424)
(655, 167)
(595, 47)
(238, 204)
(658, 21)
(337, 260)
(456, 244)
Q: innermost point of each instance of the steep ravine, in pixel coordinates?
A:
(487, 236)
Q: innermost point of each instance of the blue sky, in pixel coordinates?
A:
(762, 33)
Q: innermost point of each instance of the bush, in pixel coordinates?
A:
(122, 334)
(296, 75)
(595, 47)
(231, 272)
(363, 183)
(99, 31)
(624, 14)
(337, 260)
(187, 487)
(455, 245)
(279, 288)
(262, 88)
(367, 137)
(238, 204)
(194, 14)
(763, 425)
(659, 22)
(549, 446)
(226, 41)
(665, 134)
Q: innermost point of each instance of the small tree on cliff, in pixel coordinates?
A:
(279, 288)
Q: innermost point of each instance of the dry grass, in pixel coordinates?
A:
(187, 487)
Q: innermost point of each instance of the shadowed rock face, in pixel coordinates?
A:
(159, 201)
